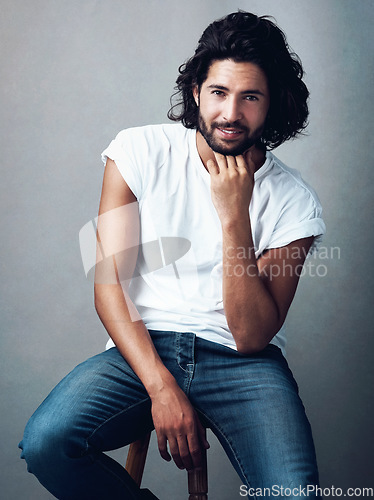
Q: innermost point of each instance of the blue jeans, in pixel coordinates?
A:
(250, 402)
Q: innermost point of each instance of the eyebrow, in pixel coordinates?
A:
(222, 87)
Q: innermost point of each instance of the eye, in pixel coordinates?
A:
(218, 93)
(251, 98)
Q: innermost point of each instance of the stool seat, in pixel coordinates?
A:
(197, 479)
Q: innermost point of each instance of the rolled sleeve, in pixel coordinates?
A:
(119, 153)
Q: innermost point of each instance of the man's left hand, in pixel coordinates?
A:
(232, 181)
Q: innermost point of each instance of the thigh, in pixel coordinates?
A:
(253, 406)
(100, 404)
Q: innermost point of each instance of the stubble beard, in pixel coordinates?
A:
(237, 149)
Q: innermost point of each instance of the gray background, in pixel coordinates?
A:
(73, 75)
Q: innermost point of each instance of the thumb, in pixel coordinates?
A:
(202, 434)
(251, 167)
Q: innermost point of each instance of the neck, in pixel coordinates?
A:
(206, 153)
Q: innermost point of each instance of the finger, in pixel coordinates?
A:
(162, 447)
(251, 167)
(241, 162)
(212, 167)
(232, 162)
(179, 452)
(221, 160)
(195, 451)
(186, 453)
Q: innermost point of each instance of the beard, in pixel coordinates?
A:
(227, 149)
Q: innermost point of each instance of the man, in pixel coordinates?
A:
(202, 235)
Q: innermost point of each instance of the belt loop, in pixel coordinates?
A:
(191, 353)
(185, 351)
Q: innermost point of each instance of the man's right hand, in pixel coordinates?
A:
(177, 424)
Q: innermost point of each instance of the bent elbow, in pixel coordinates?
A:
(252, 342)
(246, 340)
(250, 347)
(250, 339)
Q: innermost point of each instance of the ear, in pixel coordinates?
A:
(195, 92)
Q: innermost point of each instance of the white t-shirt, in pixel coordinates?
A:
(177, 284)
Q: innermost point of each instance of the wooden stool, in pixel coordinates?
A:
(197, 479)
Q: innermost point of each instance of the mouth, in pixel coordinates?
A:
(229, 133)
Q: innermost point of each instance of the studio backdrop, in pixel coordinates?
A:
(73, 75)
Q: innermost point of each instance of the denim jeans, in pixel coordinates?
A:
(250, 402)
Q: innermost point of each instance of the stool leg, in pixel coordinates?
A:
(198, 482)
(136, 458)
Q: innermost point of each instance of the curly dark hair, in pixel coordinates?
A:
(245, 37)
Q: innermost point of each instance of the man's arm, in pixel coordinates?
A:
(174, 418)
(256, 293)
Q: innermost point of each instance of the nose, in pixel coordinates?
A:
(232, 110)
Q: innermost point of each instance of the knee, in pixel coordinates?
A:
(45, 443)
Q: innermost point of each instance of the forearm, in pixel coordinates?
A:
(250, 310)
(131, 337)
(173, 415)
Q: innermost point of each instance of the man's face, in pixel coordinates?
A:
(233, 104)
